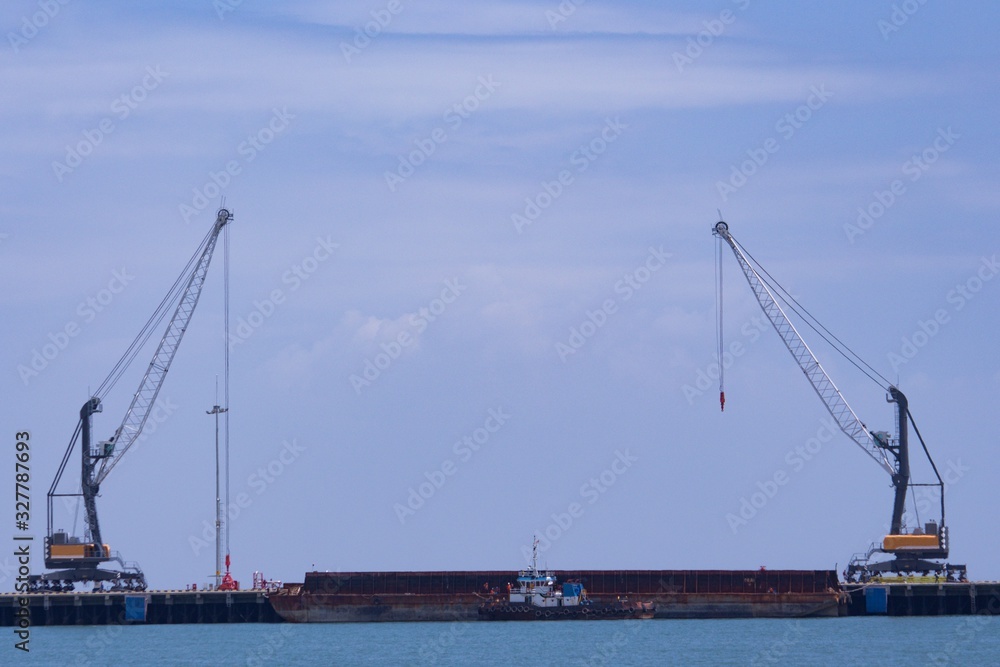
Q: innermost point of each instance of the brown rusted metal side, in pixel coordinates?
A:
(646, 582)
(404, 583)
(445, 596)
(604, 582)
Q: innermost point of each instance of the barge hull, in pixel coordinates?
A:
(450, 596)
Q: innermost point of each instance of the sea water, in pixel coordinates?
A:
(954, 640)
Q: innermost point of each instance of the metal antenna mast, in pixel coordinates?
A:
(217, 410)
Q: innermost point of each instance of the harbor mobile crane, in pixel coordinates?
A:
(915, 551)
(74, 559)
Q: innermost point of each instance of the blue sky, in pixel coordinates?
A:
(454, 200)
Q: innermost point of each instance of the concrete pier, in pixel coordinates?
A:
(923, 598)
(148, 607)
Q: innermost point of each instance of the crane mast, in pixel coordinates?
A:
(891, 454)
(98, 459)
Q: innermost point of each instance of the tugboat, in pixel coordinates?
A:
(538, 597)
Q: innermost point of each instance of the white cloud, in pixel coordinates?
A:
(399, 81)
(368, 332)
(487, 18)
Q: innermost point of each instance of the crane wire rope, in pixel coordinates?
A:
(812, 322)
(168, 302)
(76, 511)
(152, 324)
(916, 506)
(719, 336)
(225, 306)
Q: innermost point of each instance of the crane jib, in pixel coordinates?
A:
(152, 381)
(831, 397)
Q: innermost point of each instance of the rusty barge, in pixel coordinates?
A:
(326, 597)
(450, 596)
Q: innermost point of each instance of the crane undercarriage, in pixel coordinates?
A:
(862, 570)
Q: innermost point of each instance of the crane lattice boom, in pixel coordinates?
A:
(821, 382)
(144, 398)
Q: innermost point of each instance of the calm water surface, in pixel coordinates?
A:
(849, 641)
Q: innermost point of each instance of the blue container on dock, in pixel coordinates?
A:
(877, 600)
(135, 608)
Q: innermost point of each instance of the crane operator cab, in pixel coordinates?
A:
(63, 550)
(921, 540)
